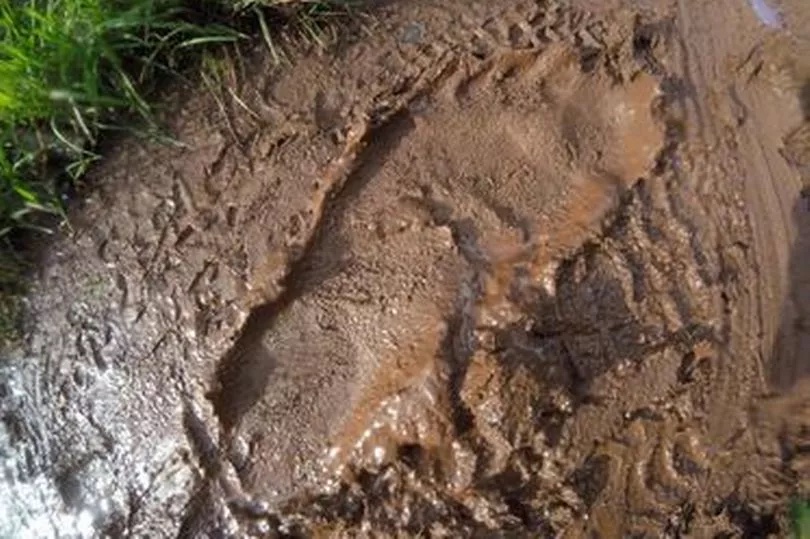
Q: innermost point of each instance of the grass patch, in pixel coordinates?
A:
(70, 70)
(800, 518)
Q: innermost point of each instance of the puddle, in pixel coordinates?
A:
(768, 15)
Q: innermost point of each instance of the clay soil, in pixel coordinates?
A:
(518, 268)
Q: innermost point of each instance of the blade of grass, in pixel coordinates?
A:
(268, 39)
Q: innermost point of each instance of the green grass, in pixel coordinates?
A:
(70, 70)
(800, 517)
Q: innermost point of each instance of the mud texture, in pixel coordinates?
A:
(476, 269)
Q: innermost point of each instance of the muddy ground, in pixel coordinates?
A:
(476, 269)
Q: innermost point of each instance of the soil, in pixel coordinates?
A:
(475, 269)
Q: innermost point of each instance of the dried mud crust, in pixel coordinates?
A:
(517, 269)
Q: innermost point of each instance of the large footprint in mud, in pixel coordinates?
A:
(463, 200)
(511, 267)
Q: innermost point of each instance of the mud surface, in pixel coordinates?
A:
(478, 268)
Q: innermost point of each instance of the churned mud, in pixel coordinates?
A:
(522, 268)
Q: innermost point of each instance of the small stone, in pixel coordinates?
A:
(413, 33)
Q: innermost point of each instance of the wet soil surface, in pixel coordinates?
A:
(477, 269)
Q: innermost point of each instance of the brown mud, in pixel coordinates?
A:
(522, 268)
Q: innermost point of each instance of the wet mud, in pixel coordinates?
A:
(476, 269)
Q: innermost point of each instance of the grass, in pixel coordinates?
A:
(71, 71)
(800, 517)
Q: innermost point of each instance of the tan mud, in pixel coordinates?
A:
(481, 268)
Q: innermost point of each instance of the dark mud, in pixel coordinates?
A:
(529, 268)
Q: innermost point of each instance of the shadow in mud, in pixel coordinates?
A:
(244, 373)
(787, 414)
(588, 326)
(790, 359)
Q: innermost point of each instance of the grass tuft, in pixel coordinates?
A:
(69, 70)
